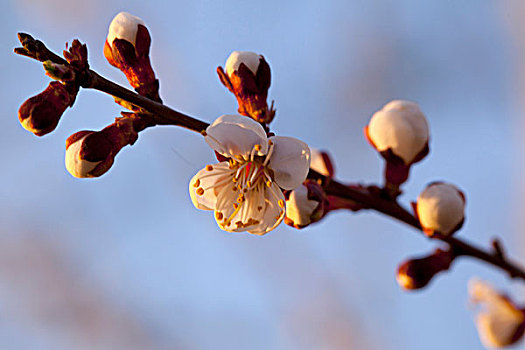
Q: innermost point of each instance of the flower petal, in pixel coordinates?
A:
(238, 211)
(274, 211)
(207, 183)
(290, 161)
(235, 135)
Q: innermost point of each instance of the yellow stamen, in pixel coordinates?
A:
(200, 191)
(197, 183)
(209, 167)
(281, 203)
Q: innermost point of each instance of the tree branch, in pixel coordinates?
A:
(164, 115)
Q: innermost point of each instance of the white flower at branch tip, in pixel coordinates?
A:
(500, 323)
(245, 191)
(441, 208)
(124, 26)
(250, 59)
(400, 126)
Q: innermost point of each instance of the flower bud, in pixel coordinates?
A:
(40, 114)
(127, 48)
(320, 161)
(440, 208)
(305, 205)
(399, 132)
(501, 323)
(91, 153)
(417, 273)
(248, 77)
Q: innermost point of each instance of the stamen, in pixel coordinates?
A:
(209, 167)
(200, 191)
(281, 203)
(219, 215)
(269, 154)
(197, 183)
(269, 183)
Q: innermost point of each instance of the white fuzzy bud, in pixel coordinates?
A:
(250, 59)
(74, 164)
(402, 127)
(440, 208)
(499, 323)
(318, 163)
(299, 208)
(124, 26)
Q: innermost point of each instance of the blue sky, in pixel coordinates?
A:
(159, 274)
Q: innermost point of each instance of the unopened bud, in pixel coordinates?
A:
(92, 153)
(124, 26)
(127, 48)
(248, 77)
(305, 205)
(501, 323)
(417, 273)
(399, 132)
(320, 161)
(40, 114)
(440, 208)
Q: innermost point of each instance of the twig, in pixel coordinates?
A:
(164, 115)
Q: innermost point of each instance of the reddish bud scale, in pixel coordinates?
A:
(40, 114)
(250, 90)
(134, 62)
(102, 146)
(417, 273)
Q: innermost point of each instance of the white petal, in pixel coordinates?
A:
(500, 319)
(497, 330)
(250, 59)
(299, 208)
(124, 26)
(234, 216)
(290, 161)
(274, 211)
(235, 135)
(317, 162)
(211, 182)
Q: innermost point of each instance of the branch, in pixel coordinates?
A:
(164, 115)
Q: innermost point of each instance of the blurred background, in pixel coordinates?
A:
(126, 262)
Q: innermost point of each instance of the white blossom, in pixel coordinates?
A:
(440, 208)
(245, 191)
(124, 26)
(250, 59)
(499, 323)
(75, 165)
(399, 126)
